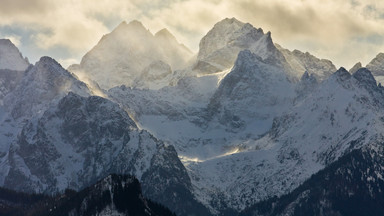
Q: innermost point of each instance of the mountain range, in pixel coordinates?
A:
(244, 126)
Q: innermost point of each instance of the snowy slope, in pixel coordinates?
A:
(353, 185)
(180, 109)
(155, 76)
(121, 56)
(340, 115)
(10, 57)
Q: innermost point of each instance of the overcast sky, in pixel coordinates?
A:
(344, 31)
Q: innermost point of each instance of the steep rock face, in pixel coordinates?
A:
(218, 49)
(81, 140)
(121, 56)
(301, 62)
(10, 57)
(43, 84)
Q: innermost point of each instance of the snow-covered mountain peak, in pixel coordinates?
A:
(50, 63)
(165, 34)
(380, 57)
(305, 76)
(42, 84)
(308, 83)
(363, 75)
(47, 72)
(230, 21)
(308, 79)
(227, 25)
(10, 57)
(136, 23)
(229, 32)
(133, 29)
(341, 75)
(133, 25)
(218, 37)
(355, 67)
(376, 66)
(221, 45)
(120, 56)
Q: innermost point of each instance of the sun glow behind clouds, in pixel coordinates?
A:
(346, 31)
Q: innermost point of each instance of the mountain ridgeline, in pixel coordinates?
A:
(244, 126)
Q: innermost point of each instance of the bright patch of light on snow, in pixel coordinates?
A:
(220, 75)
(187, 160)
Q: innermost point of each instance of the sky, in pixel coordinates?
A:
(343, 31)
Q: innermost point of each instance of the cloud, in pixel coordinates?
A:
(21, 7)
(327, 28)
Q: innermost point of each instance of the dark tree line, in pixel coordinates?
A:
(125, 197)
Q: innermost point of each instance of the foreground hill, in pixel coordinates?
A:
(113, 195)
